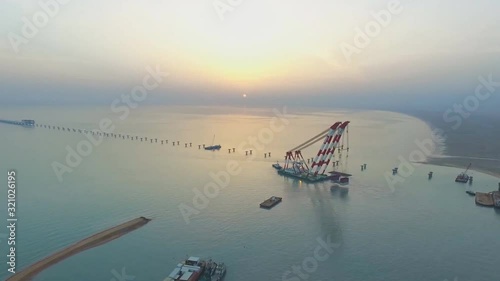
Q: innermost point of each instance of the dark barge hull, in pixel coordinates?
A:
(305, 177)
(269, 203)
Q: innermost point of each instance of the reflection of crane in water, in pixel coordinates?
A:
(325, 211)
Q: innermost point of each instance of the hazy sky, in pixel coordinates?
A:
(92, 51)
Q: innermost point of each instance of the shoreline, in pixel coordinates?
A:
(442, 161)
(474, 141)
(92, 241)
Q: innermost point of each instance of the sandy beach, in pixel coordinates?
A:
(85, 244)
(475, 141)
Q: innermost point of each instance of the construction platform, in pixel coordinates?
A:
(271, 202)
(496, 199)
(307, 177)
(490, 199)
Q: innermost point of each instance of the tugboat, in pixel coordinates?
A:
(220, 272)
(188, 270)
(463, 177)
(195, 269)
(213, 147)
(277, 166)
(470, 192)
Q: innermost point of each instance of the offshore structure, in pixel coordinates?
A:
(297, 167)
(25, 123)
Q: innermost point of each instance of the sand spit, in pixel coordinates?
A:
(490, 167)
(85, 244)
(474, 141)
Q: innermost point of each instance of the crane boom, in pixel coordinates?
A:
(311, 141)
(468, 167)
(331, 137)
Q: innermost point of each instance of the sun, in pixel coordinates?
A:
(244, 95)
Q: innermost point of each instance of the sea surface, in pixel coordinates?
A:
(418, 229)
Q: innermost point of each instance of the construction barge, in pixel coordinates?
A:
(464, 177)
(312, 178)
(307, 177)
(490, 199)
(271, 202)
(213, 147)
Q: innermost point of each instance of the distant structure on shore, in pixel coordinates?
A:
(25, 122)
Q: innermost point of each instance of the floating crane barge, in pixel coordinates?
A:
(464, 177)
(307, 177)
(296, 166)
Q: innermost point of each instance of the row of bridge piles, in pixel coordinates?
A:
(138, 138)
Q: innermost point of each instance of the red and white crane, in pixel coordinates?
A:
(331, 138)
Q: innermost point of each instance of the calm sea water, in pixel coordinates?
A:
(419, 230)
